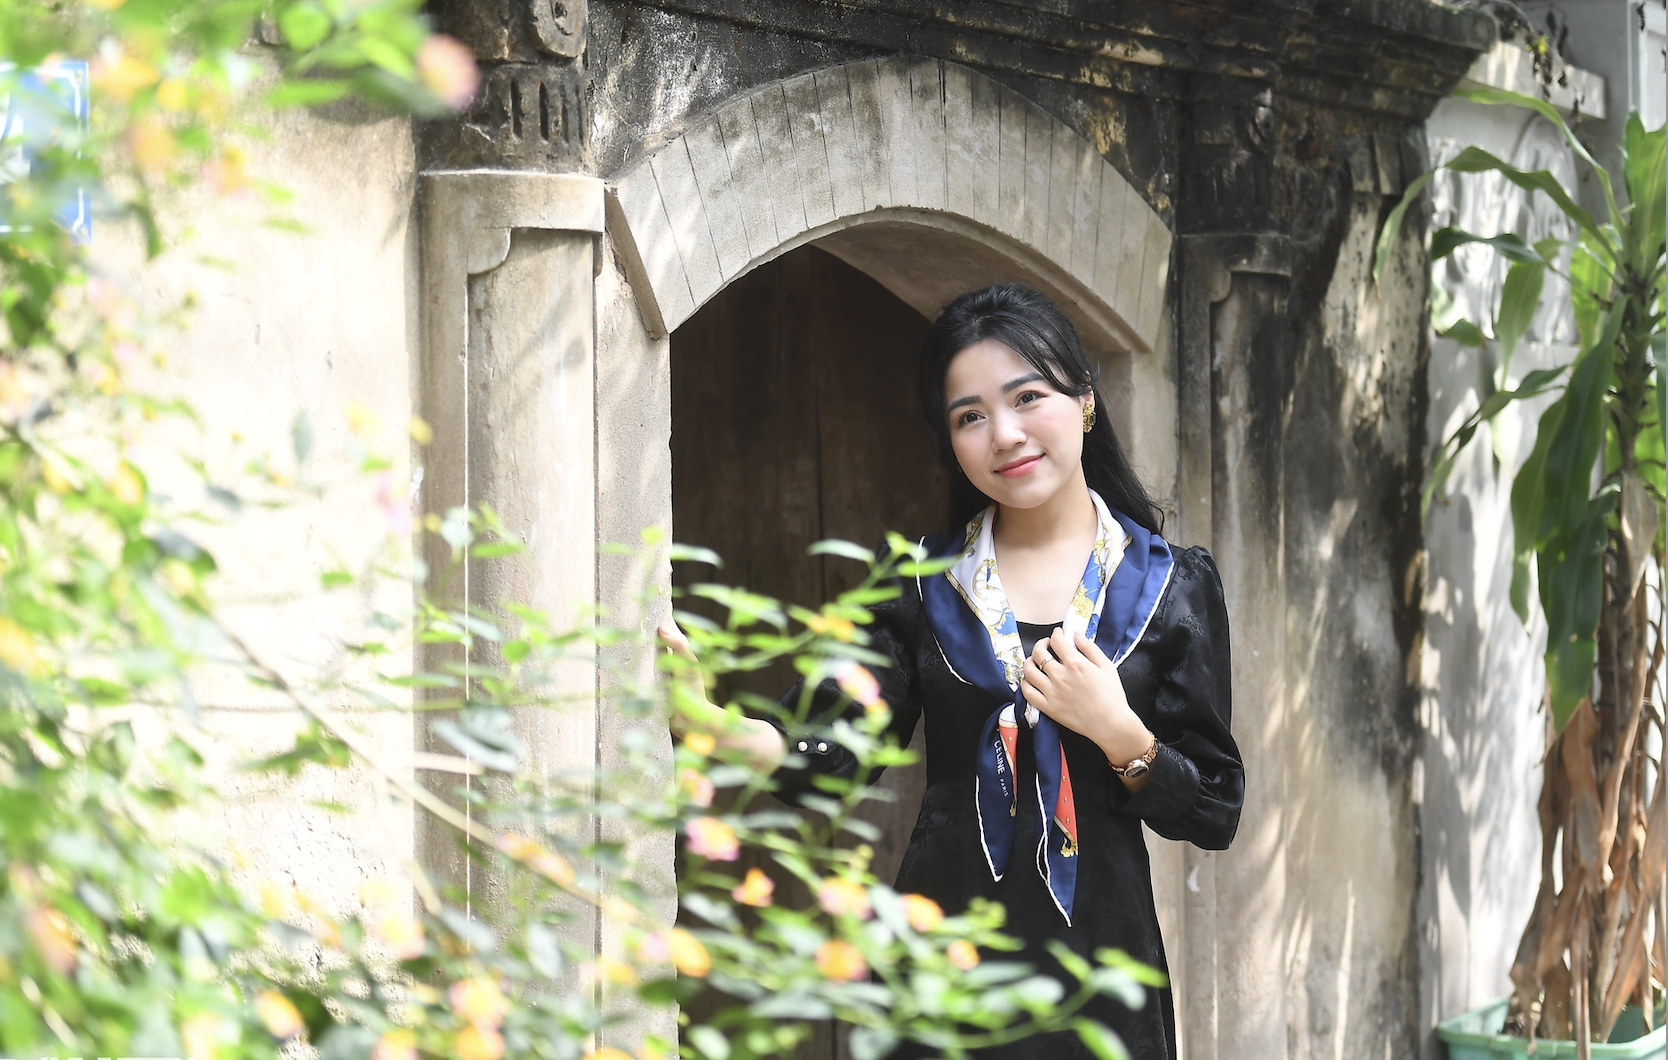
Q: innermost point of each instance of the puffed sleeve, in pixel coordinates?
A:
(894, 632)
(1197, 784)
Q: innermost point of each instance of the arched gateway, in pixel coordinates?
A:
(550, 302)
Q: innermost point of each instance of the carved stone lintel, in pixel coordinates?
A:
(561, 25)
(526, 114)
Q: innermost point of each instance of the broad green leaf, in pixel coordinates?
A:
(846, 549)
(1645, 169)
(1100, 1040)
(1579, 437)
(1495, 96)
(1590, 283)
(1392, 229)
(1520, 296)
(1477, 160)
(304, 25)
(1572, 595)
(1511, 247)
(1528, 494)
(1534, 384)
(1448, 322)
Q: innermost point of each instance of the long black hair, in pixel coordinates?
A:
(1030, 324)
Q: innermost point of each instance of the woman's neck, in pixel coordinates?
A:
(1064, 517)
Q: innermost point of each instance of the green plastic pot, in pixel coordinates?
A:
(1475, 1035)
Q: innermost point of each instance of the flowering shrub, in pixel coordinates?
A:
(121, 935)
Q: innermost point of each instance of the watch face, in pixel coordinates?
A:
(1137, 768)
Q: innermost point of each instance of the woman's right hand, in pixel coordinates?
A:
(756, 742)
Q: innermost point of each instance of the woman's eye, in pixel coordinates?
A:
(965, 418)
(1028, 397)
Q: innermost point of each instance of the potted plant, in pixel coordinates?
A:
(1587, 513)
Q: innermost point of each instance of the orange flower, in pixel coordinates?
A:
(962, 954)
(119, 75)
(922, 912)
(449, 70)
(755, 890)
(837, 626)
(152, 146)
(397, 1044)
(838, 959)
(689, 957)
(696, 787)
(478, 1043)
(844, 898)
(701, 743)
(858, 683)
(711, 838)
(278, 1014)
(479, 1001)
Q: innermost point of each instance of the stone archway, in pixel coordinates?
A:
(548, 301)
(867, 157)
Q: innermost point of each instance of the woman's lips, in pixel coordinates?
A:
(1019, 467)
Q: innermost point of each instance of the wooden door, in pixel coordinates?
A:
(794, 419)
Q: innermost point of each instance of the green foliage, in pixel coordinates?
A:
(122, 934)
(1565, 505)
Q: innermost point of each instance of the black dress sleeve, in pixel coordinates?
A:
(1197, 783)
(895, 633)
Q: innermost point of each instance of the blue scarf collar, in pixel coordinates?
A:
(1132, 597)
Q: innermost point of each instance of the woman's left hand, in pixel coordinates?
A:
(1072, 681)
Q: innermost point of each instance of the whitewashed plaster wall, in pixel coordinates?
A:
(1481, 674)
(287, 323)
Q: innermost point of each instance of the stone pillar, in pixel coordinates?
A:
(507, 384)
(1232, 384)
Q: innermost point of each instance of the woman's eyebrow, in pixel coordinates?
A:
(971, 399)
(1034, 377)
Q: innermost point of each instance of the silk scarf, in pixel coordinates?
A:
(975, 577)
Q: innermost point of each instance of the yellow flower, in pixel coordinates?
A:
(607, 1052)
(401, 936)
(844, 898)
(619, 910)
(171, 94)
(616, 971)
(397, 1044)
(711, 838)
(922, 912)
(126, 484)
(838, 959)
(229, 173)
(689, 957)
(201, 1034)
(479, 1001)
(278, 1014)
(755, 890)
(17, 647)
(530, 852)
(362, 419)
(701, 743)
(421, 432)
(478, 1043)
(962, 954)
(119, 75)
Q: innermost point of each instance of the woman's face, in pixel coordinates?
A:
(1017, 438)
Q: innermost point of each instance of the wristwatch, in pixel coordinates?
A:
(1140, 766)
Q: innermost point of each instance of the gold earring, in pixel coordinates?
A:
(1088, 417)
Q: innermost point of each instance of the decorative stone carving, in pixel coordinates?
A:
(530, 113)
(561, 25)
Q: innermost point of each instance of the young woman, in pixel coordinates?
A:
(1072, 668)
